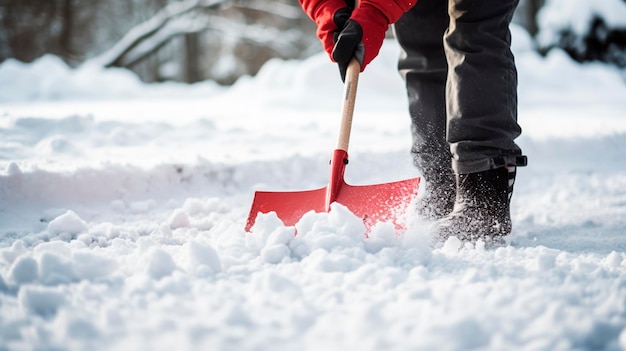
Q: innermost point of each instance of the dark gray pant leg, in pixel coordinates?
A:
(424, 68)
(482, 86)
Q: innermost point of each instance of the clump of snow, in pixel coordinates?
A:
(17, 249)
(24, 270)
(93, 266)
(159, 264)
(452, 245)
(68, 223)
(203, 256)
(56, 269)
(178, 219)
(42, 301)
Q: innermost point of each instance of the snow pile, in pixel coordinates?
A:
(329, 288)
(121, 221)
(312, 83)
(49, 78)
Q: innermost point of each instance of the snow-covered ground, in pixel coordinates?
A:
(122, 209)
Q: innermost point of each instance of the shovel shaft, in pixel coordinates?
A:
(349, 99)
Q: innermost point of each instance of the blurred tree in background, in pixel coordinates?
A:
(184, 40)
(221, 40)
(586, 30)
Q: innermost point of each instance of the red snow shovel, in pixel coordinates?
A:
(373, 203)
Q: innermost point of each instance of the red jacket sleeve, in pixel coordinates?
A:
(391, 9)
(321, 10)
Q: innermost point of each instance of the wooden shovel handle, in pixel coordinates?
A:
(349, 99)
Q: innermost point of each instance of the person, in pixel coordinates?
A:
(461, 83)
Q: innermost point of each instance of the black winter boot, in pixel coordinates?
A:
(482, 208)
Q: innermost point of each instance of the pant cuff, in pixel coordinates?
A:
(474, 166)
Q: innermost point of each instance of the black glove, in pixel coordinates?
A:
(348, 45)
(340, 18)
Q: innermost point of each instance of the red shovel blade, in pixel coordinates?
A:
(385, 202)
(289, 206)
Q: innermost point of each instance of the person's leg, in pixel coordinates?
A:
(423, 66)
(482, 118)
(482, 85)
